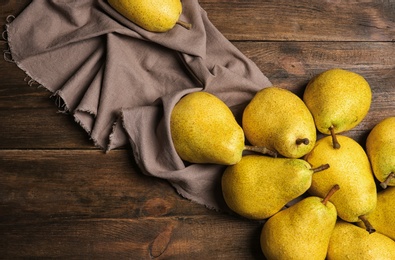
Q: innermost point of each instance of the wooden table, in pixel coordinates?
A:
(61, 197)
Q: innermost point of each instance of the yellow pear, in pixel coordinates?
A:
(383, 216)
(349, 241)
(259, 186)
(152, 15)
(338, 99)
(380, 147)
(301, 231)
(204, 130)
(278, 119)
(350, 169)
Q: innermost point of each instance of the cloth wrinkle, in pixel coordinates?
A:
(89, 102)
(121, 82)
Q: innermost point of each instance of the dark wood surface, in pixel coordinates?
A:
(61, 197)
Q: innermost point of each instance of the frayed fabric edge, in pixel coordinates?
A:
(8, 56)
(94, 141)
(31, 80)
(64, 109)
(4, 38)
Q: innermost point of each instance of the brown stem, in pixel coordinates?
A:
(320, 168)
(304, 141)
(184, 24)
(336, 144)
(385, 183)
(259, 149)
(367, 224)
(335, 188)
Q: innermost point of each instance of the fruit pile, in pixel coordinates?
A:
(318, 198)
(340, 208)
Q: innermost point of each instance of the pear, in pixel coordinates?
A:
(152, 15)
(383, 216)
(350, 168)
(338, 100)
(204, 130)
(259, 186)
(278, 119)
(380, 147)
(349, 241)
(301, 231)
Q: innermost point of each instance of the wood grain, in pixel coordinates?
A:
(52, 204)
(303, 20)
(287, 64)
(61, 197)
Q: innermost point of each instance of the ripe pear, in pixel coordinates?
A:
(301, 231)
(278, 119)
(383, 216)
(350, 168)
(338, 99)
(204, 130)
(259, 186)
(380, 147)
(349, 241)
(152, 15)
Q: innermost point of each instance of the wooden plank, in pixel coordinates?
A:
(283, 20)
(298, 61)
(45, 129)
(83, 184)
(304, 20)
(53, 205)
(30, 119)
(202, 237)
(289, 64)
(11, 75)
(36, 128)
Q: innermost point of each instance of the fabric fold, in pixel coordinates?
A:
(120, 82)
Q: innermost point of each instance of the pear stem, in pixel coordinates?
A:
(184, 24)
(304, 141)
(335, 188)
(336, 144)
(367, 224)
(260, 149)
(320, 168)
(385, 183)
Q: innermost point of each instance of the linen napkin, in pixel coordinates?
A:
(120, 82)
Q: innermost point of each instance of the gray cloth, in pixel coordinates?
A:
(120, 82)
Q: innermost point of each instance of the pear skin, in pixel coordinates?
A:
(259, 186)
(349, 241)
(382, 218)
(380, 148)
(278, 119)
(350, 169)
(152, 15)
(301, 231)
(339, 99)
(204, 130)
